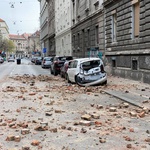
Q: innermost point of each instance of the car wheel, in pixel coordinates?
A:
(55, 72)
(61, 74)
(67, 77)
(51, 70)
(104, 83)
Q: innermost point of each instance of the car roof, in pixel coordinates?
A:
(87, 59)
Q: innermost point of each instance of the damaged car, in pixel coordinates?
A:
(87, 72)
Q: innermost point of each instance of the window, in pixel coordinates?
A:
(114, 63)
(97, 35)
(135, 18)
(73, 64)
(78, 8)
(134, 64)
(74, 40)
(87, 4)
(83, 37)
(78, 39)
(114, 26)
(88, 32)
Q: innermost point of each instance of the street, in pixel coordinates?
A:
(43, 112)
(26, 67)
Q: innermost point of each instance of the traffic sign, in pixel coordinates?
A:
(44, 50)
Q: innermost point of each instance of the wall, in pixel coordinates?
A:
(63, 27)
(86, 16)
(128, 52)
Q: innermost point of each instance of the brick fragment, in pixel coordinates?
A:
(25, 148)
(133, 114)
(35, 143)
(112, 109)
(147, 140)
(85, 123)
(58, 111)
(86, 117)
(10, 138)
(17, 138)
(129, 146)
(142, 114)
(95, 116)
(25, 131)
(99, 107)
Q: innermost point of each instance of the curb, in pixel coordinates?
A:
(125, 99)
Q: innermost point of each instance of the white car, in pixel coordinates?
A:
(87, 72)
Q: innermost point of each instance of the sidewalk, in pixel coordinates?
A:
(133, 92)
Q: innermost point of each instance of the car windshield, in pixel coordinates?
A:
(61, 58)
(48, 59)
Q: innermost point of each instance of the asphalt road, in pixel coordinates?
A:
(26, 67)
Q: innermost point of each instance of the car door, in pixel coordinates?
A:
(72, 70)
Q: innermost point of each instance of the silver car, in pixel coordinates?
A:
(46, 62)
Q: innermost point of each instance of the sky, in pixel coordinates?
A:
(23, 18)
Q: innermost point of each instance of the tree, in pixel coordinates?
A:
(6, 45)
(11, 46)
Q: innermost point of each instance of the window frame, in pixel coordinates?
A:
(135, 21)
(114, 26)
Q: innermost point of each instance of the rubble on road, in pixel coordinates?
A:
(44, 112)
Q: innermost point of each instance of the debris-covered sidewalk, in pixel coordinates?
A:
(46, 113)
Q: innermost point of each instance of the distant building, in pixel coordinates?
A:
(34, 46)
(21, 43)
(4, 30)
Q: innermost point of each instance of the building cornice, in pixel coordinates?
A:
(108, 2)
(135, 52)
(87, 18)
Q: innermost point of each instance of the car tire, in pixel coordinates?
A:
(105, 83)
(55, 72)
(51, 72)
(61, 74)
(67, 77)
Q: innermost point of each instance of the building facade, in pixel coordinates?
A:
(4, 30)
(34, 46)
(21, 44)
(128, 38)
(51, 27)
(44, 27)
(63, 27)
(88, 28)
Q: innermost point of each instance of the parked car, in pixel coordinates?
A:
(63, 69)
(46, 62)
(34, 58)
(1, 59)
(57, 63)
(38, 61)
(11, 59)
(86, 72)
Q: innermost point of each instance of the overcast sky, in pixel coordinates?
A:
(24, 17)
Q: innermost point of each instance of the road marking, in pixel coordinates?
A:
(11, 73)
